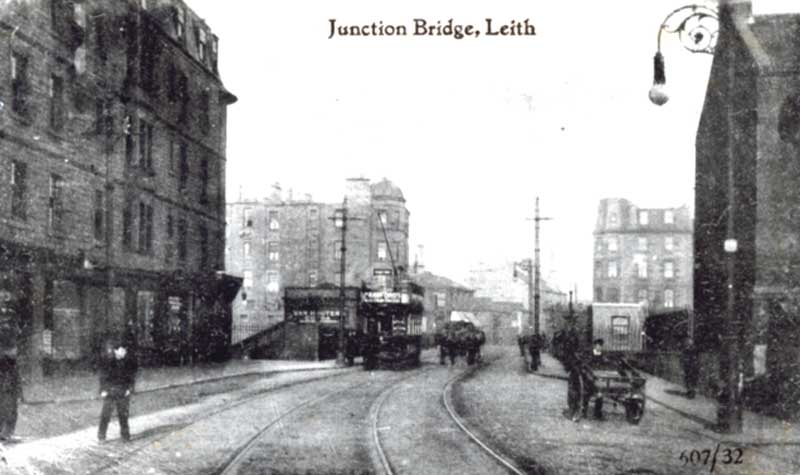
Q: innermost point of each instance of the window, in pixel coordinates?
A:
(312, 278)
(205, 112)
(99, 211)
(168, 248)
(145, 145)
(246, 250)
(184, 99)
(129, 142)
(337, 250)
(182, 245)
(620, 331)
(19, 172)
(381, 251)
(204, 180)
(172, 83)
(669, 243)
(643, 218)
(273, 284)
(56, 103)
(273, 220)
(641, 269)
(56, 208)
(127, 226)
(214, 47)
(598, 294)
(243, 316)
(612, 269)
(612, 218)
(612, 244)
(612, 294)
(642, 243)
(641, 295)
(183, 178)
(20, 87)
(247, 282)
(669, 298)
(179, 20)
(272, 251)
(669, 217)
(202, 46)
(598, 269)
(203, 230)
(247, 217)
(669, 271)
(382, 217)
(440, 299)
(145, 228)
(395, 221)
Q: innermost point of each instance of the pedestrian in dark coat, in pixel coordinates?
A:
(117, 381)
(690, 369)
(10, 384)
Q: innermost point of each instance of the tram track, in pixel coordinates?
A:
(176, 428)
(383, 458)
(447, 401)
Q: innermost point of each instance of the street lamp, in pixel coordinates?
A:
(697, 31)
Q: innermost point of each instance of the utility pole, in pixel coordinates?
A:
(536, 272)
(729, 410)
(340, 219)
(342, 215)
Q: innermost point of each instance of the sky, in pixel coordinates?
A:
(471, 130)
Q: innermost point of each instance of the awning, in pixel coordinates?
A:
(456, 316)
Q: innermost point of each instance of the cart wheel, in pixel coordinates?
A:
(634, 410)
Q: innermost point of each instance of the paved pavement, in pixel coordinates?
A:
(768, 435)
(85, 385)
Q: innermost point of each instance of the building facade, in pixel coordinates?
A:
(746, 176)
(442, 297)
(643, 254)
(282, 241)
(112, 172)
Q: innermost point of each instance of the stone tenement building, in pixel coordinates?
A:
(112, 172)
(281, 242)
(750, 132)
(643, 254)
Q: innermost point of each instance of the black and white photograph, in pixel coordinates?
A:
(353, 237)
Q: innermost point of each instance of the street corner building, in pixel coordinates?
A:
(747, 268)
(112, 180)
(287, 247)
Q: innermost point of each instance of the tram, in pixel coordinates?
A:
(392, 322)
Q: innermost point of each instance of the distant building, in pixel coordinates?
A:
(751, 120)
(442, 297)
(499, 320)
(112, 159)
(508, 282)
(643, 254)
(283, 241)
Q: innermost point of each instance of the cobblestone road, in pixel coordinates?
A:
(522, 414)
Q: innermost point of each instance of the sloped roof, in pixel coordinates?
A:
(433, 281)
